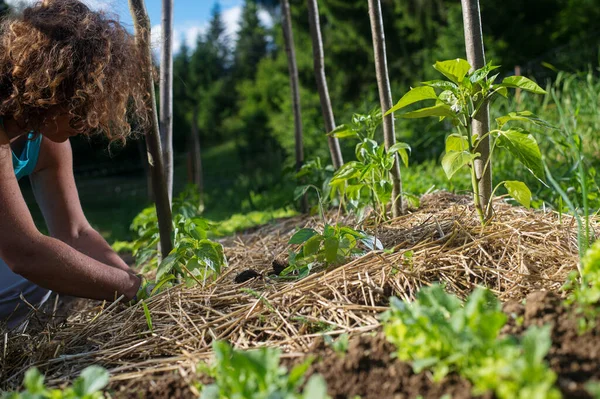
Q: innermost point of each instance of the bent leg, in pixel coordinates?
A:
(13, 310)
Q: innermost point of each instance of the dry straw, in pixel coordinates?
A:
(520, 251)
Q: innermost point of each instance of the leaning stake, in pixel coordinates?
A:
(319, 65)
(481, 122)
(288, 37)
(385, 98)
(141, 24)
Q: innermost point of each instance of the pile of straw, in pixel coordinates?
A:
(520, 251)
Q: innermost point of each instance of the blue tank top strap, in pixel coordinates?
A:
(25, 164)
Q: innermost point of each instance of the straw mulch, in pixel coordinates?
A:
(519, 252)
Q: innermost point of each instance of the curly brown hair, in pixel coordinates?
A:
(59, 53)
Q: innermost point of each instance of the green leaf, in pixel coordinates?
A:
(91, 380)
(457, 142)
(302, 236)
(414, 95)
(442, 84)
(536, 344)
(523, 83)
(402, 149)
(312, 245)
(454, 160)
(525, 148)
(455, 70)
(437, 110)
(315, 388)
(166, 265)
(523, 116)
(519, 191)
(147, 315)
(480, 74)
(331, 246)
(343, 131)
(34, 381)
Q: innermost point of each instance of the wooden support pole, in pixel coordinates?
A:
(141, 24)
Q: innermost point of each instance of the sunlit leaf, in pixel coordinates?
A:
(436, 110)
(455, 70)
(302, 235)
(453, 161)
(519, 191)
(523, 116)
(525, 148)
(523, 83)
(414, 95)
(457, 142)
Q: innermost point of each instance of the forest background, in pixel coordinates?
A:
(237, 89)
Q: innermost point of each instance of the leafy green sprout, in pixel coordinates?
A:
(459, 99)
(366, 181)
(440, 333)
(585, 294)
(332, 247)
(257, 374)
(87, 386)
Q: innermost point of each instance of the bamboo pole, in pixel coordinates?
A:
(141, 24)
(385, 98)
(321, 78)
(481, 122)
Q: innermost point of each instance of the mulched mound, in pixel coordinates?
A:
(519, 252)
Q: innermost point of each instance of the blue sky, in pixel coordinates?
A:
(190, 17)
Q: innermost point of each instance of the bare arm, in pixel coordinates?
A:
(46, 261)
(55, 191)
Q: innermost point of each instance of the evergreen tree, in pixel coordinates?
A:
(251, 45)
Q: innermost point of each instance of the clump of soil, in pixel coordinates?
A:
(279, 266)
(369, 370)
(574, 357)
(246, 275)
(161, 386)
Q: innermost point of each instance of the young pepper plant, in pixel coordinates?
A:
(333, 247)
(459, 99)
(366, 181)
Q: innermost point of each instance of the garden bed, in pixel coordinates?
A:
(520, 252)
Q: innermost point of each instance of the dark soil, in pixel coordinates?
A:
(574, 357)
(246, 275)
(368, 370)
(279, 265)
(165, 386)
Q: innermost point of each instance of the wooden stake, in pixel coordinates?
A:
(385, 98)
(141, 24)
(319, 65)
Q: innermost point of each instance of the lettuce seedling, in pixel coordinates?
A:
(257, 374)
(87, 386)
(438, 332)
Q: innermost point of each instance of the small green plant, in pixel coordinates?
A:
(459, 99)
(366, 181)
(87, 386)
(314, 173)
(585, 294)
(339, 345)
(439, 332)
(332, 247)
(194, 257)
(257, 374)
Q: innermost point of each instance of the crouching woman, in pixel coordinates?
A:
(65, 70)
